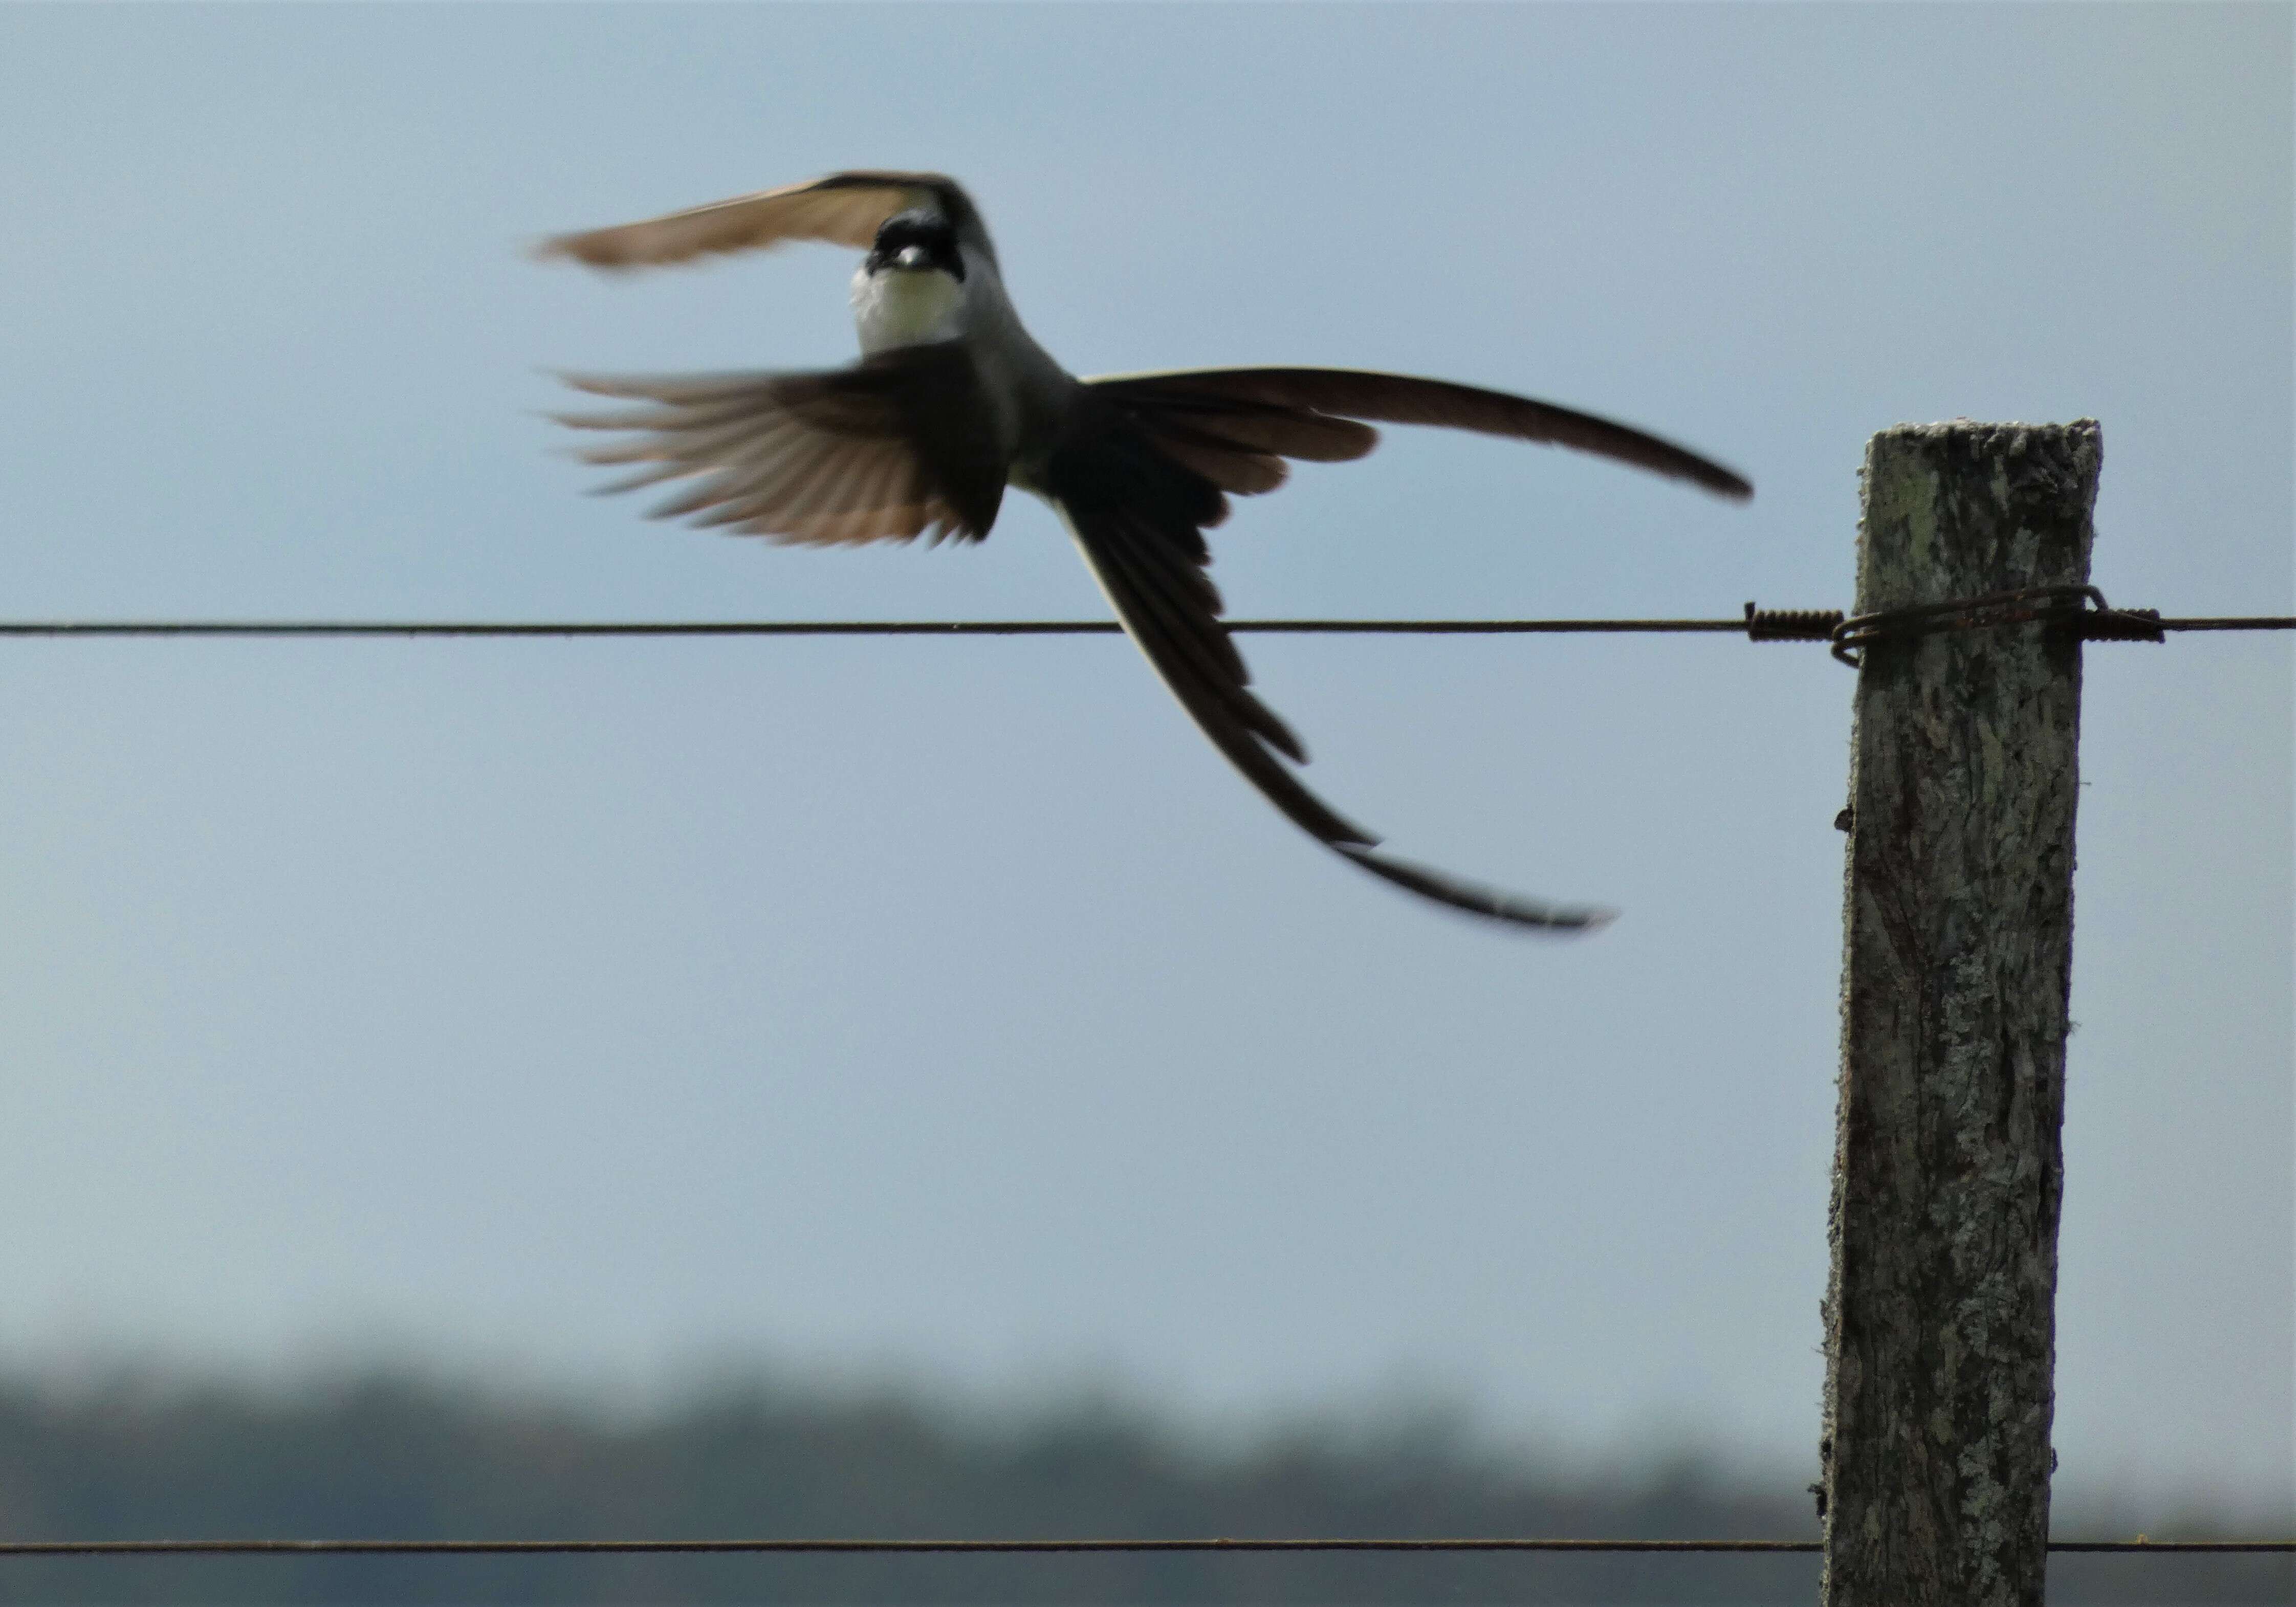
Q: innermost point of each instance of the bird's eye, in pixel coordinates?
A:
(916, 240)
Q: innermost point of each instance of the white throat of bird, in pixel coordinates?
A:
(901, 305)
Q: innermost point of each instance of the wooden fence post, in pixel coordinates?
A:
(1941, 1307)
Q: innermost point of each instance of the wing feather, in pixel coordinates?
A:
(832, 483)
(843, 208)
(746, 477)
(883, 450)
(740, 441)
(874, 496)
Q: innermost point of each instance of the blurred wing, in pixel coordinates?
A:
(885, 450)
(844, 209)
(1206, 400)
(1139, 522)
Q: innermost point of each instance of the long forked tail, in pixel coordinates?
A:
(1136, 515)
(1236, 424)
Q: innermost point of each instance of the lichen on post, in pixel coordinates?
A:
(1941, 1307)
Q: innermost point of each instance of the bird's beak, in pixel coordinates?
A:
(911, 257)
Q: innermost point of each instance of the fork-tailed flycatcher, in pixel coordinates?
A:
(952, 401)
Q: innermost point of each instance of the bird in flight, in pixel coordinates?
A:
(952, 401)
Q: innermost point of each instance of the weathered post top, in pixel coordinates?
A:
(1940, 1309)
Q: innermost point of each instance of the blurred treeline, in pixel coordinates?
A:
(401, 1454)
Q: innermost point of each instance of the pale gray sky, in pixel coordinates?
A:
(600, 1005)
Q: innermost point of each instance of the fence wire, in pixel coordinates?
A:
(211, 1548)
(1762, 625)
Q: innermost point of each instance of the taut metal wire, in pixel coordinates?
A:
(211, 1548)
(1756, 624)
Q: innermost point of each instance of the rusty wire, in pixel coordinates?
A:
(2082, 609)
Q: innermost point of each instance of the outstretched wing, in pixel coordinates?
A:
(885, 450)
(844, 209)
(1235, 420)
(1138, 514)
